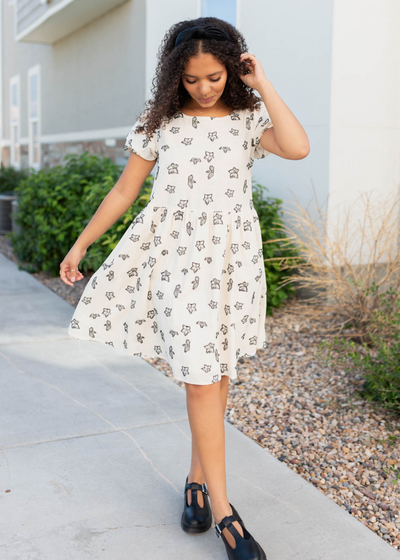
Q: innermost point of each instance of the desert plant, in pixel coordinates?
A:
(341, 261)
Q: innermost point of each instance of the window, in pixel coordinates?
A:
(223, 9)
(34, 116)
(14, 122)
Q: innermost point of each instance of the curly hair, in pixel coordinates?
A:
(169, 94)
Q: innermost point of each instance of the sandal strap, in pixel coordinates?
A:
(226, 522)
(196, 486)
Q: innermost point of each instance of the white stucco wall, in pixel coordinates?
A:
(159, 18)
(293, 40)
(364, 150)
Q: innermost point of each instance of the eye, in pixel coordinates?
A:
(217, 80)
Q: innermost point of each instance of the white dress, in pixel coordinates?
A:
(186, 281)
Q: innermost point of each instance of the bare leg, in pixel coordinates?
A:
(206, 417)
(196, 472)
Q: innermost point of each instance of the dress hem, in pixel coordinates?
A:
(152, 356)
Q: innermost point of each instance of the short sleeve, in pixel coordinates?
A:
(261, 124)
(138, 143)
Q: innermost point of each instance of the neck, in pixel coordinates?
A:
(214, 110)
(196, 106)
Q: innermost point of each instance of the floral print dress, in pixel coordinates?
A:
(186, 282)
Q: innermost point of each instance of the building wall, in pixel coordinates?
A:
(29, 11)
(293, 40)
(365, 109)
(16, 59)
(92, 81)
(159, 18)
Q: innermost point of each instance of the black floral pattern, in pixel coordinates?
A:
(186, 282)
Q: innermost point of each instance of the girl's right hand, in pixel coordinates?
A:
(69, 272)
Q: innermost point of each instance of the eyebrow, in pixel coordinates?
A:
(213, 74)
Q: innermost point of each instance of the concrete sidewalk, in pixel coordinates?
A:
(95, 448)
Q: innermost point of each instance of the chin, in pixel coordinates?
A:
(210, 103)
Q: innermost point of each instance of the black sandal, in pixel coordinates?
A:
(247, 548)
(236, 514)
(196, 519)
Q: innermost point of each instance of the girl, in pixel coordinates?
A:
(186, 281)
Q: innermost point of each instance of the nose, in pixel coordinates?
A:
(204, 94)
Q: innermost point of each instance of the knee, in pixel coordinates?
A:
(202, 391)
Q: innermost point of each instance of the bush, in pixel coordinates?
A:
(379, 360)
(56, 204)
(278, 253)
(10, 177)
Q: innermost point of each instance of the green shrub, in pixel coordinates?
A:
(275, 248)
(379, 359)
(10, 177)
(56, 204)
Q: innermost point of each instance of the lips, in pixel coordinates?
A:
(206, 100)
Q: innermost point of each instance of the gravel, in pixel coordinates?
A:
(306, 414)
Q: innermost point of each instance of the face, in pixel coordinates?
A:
(204, 77)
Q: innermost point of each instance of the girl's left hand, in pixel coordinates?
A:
(256, 75)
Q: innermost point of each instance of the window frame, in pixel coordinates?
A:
(15, 139)
(34, 70)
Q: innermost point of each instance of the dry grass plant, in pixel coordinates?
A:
(346, 263)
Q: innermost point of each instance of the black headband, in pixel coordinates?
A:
(201, 32)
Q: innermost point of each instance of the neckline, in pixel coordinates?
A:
(205, 116)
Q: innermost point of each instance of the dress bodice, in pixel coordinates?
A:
(204, 163)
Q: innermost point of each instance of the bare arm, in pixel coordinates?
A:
(118, 200)
(287, 138)
(115, 204)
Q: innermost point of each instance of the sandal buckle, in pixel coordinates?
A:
(218, 530)
(204, 489)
